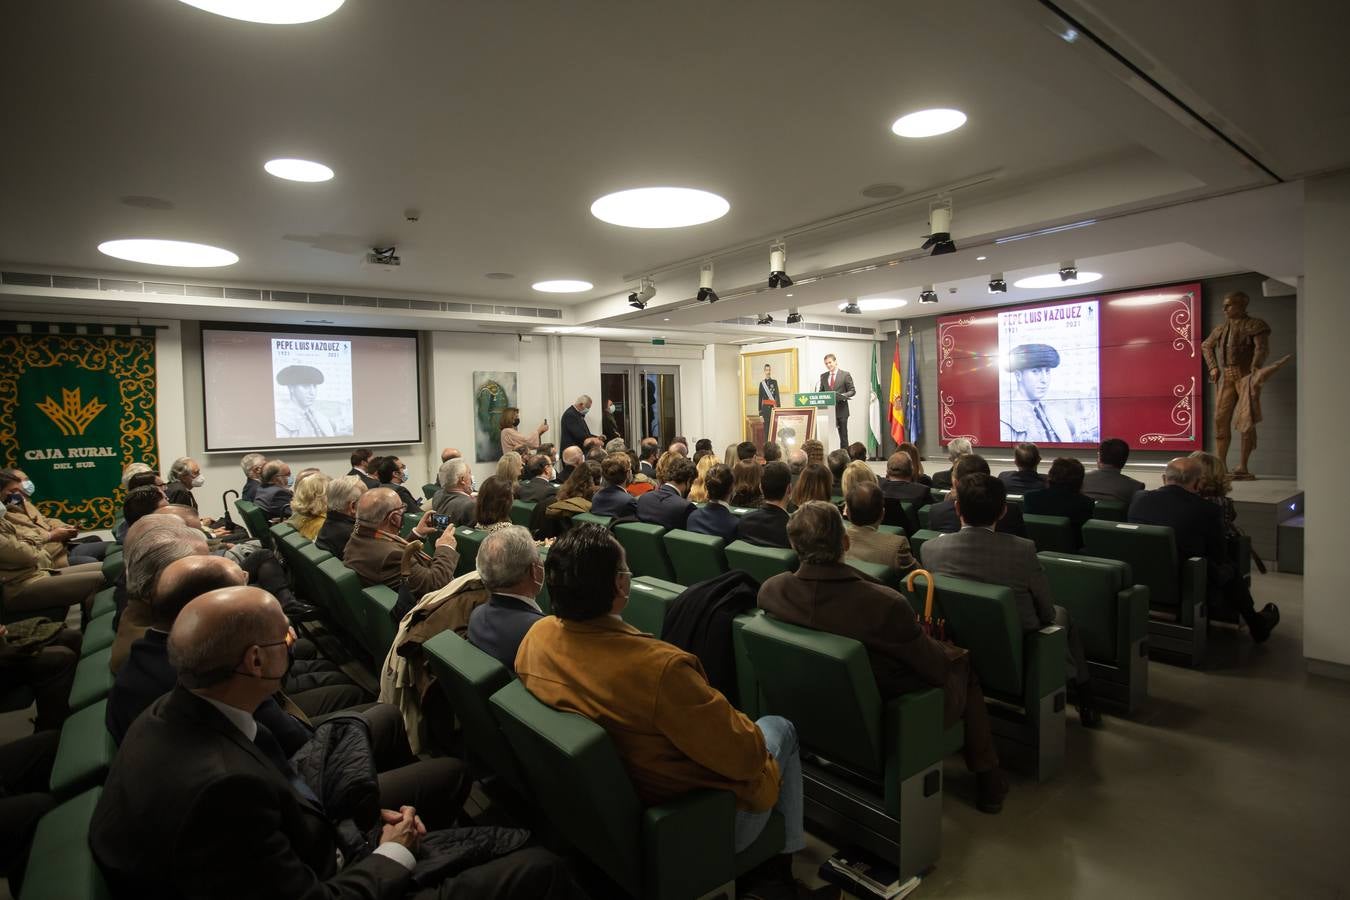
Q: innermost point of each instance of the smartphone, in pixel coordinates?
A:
(440, 521)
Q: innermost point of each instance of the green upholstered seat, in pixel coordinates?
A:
(468, 678)
(380, 627)
(255, 521)
(645, 546)
(346, 600)
(428, 491)
(922, 516)
(305, 560)
(760, 563)
(593, 519)
(105, 601)
(85, 751)
(279, 530)
(885, 574)
(917, 538)
(1112, 510)
(648, 601)
(1051, 532)
(823, 684)
(93, 679)
(1111, 614)
(1176, 588)
(98, 634)
(467, 542)
(521, 511)
(112, 567)
(680, 849)
(695, 557)
(60, 864)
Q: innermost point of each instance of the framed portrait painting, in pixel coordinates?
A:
(791, 427)
(768, 380)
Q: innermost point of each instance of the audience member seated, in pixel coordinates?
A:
(341, 496)
(865, 507)
(378, 555)
(131, 469)
(745, 450)
(857, 451)
(575, 495)
(571, 458)
(538, 486)
(745, 484)
(944, 517)
(493, 509)
(648, 452)
(30, 581)
(184, 475)
(716, 518)
(767, 525)
(796, 462)
(152, 543)
(1062, 497)
(680, 447)
(1197, 526)
(958, 448)
(141, 479)
(702, 445)
(828, 595)
(837, 461)
(274, 497)
(616, 444)
(393, 474)
(980, 553)
(361, 467)
(1107, 482)
(513, 440)
(673, 732)
(454, 498)
(613, 499)
(25, 797)
(667, 504)
(510, 468)
(917, 463)
(51, 535)
(594, 448)
(815, 451)
(698, 491)
(41, 655)
(309, 506)
(1215, 485)
(855, 473)
(202, 741)
(141, 501)
(551, 451)
(639, 484)
(771, 452)
(450, 453)
(252, 464)
(900, 483)
(509, 564)
(1024, 479)
(815, 483)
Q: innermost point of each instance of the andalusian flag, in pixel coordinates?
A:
(897, 408)
(874, 408)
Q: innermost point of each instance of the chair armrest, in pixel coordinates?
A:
(688, 845)
(747, 685)
(912, 739)
(1043, 654)
(1194, 587)
(1132, 615)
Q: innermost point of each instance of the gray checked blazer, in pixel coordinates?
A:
(983, 555)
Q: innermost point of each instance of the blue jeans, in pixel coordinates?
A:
(781, 740)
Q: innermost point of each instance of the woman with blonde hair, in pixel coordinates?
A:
(512, 438)
(729, 458)
(698, 491)
(309, 505)
(815, 452)
(662, 467)
(1215, 484)
(856, 473)
(917, 461)
(509, 469)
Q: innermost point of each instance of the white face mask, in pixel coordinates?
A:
(199, 481)
(27, 487)
(610, 408)
(290, 481)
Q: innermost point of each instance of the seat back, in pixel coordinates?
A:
(903, 513)
(760, 563)
(917, 538)
(576, 777)
(1089, 589)
(255, 521)
(429, 490)
(468, 678)
(648, 602)
(60, 864)
(307, 559)
(1051, 533)
(695, 557)
(645, 546)
(467, 542)
(343, 587)
(1149, 550)
(85, 751)
(885, 574)
(521, 512)
(983, 618)
(112, 567)
(923, 517)
(593, 519)
(1112, 510)
(378, 602)
(280, 530)
(823, 684)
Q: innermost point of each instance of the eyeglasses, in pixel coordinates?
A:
(289, 640)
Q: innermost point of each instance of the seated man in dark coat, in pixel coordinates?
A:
(509, 564)
(613, 498)
(767, 526)
(1062, 497)
(716, 518)
(393, 474)
(900, 483)
(201, 800)
(667, 504)
(1024, 479)
(252, 464)
(1197, 526)
(342, 495)
(1107, 482)
(958, 448)
(274, 497)
(829, 595)
(942, 516)
(537, 485)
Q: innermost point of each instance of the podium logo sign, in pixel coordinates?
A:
(71, 417)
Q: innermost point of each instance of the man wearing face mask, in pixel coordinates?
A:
(274, 497)
(575, 431)
(184, 475)
(52, 535)
(393, 474)
(30, 580)
(378, 555)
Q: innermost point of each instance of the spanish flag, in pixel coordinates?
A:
(896, 402)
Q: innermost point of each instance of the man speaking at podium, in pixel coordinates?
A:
(841, 383)
(768, 398)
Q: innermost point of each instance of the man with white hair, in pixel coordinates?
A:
(509, 564)
(454, 497)
(274, 497)
(575, 431)
(252, 464)
(184, 475)
(342, 495)
(152, 543)
(958, 448)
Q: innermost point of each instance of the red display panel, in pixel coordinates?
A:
(1071, 372)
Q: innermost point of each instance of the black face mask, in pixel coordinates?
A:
(290, 663)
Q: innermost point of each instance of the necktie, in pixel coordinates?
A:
(314, 423)
(267, 743)
(831, 381)
(1041, 417)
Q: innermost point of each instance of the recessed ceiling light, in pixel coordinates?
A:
(928, 123)
(562, 286)
(665, 320)
(883, 191)
(981, 258)
(298, 170)
(179, 254)
(1052, 280)
(873, 304)
(499, 276)
(659, 207)
(269, 12)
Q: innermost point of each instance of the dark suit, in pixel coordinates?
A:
(942, 517)
(1019, 482)
(336, 531)
(411, 504)
(1110, 484)
(714, 519)
(1059, 501)
(979, 554)
(498, 626)
(908, 491)
(574, 429)
(180, 495)
(646, 468)
(274, 501)
(839, 599)
(538, 490)
(766, 526)
(1197, 525)
(942, 481)
(250, 489)
(843, 391)
(613, 501)
(768, 391)
(664, 506)
(370, 480)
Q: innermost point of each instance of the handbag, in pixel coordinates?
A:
(933, 627)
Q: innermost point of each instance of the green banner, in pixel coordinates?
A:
(820, 400)
(83, 408)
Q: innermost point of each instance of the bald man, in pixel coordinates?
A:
(376, 554)
(450, 453)
(202, 802)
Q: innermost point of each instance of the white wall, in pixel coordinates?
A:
(1324, 323)
(854, 357)
(721, 395)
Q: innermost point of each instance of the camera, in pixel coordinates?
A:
(441, 522)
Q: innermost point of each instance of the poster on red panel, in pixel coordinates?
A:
(1069, 373)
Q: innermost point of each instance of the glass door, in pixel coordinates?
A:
(616, 388)
(646, 401)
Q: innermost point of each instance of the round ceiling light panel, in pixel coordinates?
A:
(660, 207)
(928, 123)
(562, 286)
(298, 170)
(269, 12)
(177, 254)
(1052, 280)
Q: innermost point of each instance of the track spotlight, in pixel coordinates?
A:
(997, 285)
(706, 294)
(765, 319)
(928, 295)
(1068, 271)
(778, 276)
(939, 229)
(646, 291)
(851, 308)
(794, 317)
